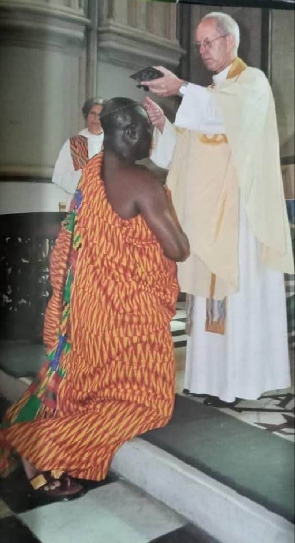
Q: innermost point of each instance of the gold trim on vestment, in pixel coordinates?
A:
(213, 139)
(218, 327)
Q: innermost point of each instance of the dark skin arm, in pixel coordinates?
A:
(133, 190)
(157, 209)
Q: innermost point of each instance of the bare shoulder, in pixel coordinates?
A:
(145, 179)
(144, 187)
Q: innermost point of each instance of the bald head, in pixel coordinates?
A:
(127, 129)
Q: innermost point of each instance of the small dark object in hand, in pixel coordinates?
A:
(147, 74)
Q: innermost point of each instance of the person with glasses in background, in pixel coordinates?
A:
(78, 149)
(224, 173)
(109, 373)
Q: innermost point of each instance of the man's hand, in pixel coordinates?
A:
(155, 113)
(168, 85)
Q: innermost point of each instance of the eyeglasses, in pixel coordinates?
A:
(206, 43)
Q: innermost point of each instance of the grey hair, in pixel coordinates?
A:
(225, 24)
(90, 102)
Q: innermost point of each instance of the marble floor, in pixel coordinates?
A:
(115, 511)
(274, 411)
(112, 512)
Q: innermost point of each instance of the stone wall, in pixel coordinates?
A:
(55, 53)
(282, 60)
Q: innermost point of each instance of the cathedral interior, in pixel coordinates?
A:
(222, 475)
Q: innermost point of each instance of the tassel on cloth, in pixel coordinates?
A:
(215, 312)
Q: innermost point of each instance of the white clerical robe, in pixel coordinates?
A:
(64, 174)
(252, 356)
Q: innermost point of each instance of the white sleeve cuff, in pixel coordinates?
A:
(163, 145)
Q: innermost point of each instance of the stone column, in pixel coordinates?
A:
(281, 67)
(54, 54)
(42, 62)
(42, 87)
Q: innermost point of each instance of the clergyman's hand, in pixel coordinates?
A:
(155, 113)
(168, 85)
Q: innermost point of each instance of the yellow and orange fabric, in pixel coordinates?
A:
(109, 373)
(79, 151)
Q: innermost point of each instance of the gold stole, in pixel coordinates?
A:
(216, 309)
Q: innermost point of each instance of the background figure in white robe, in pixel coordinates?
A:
(77, 150)
(224, 174)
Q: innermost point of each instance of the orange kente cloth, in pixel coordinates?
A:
(118, 371)
(79, 151)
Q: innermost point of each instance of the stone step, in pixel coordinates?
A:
(217, 509)
(214, 507)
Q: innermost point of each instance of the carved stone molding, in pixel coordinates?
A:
(63, 8)
(132, 33)
(134, 48)
(41, 24)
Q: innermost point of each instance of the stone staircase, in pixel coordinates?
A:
(217, 509)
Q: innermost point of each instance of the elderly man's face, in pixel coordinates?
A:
(216, 49)
(93, 120)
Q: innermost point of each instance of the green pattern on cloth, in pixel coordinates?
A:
(42, 393)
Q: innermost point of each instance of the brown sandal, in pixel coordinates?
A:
(66, 490)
